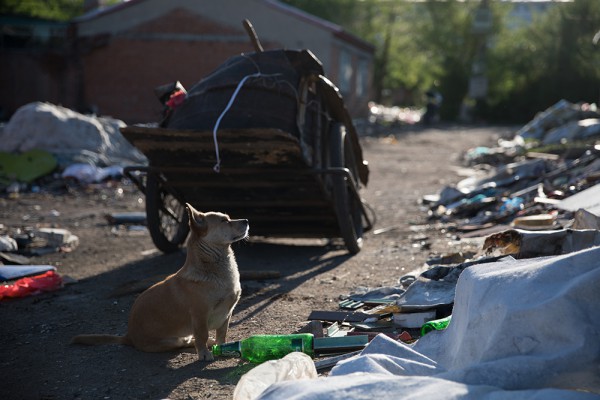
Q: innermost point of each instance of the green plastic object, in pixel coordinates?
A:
(435, 325)
(26, 167)
(261, 348)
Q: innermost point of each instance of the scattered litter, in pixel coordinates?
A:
(9, 272)
(365, 294)
(533, 197)
(338, 316)
(535, 222)
(413, 320)
(8, 244)
(381, 326)
(350, 304)
(585, 220)
(407, 280)
(131, 230)
(57, 238)
(435, 325)
(293, 366)
(36, 242)
(316, 329)
(502, 334)
(136, 218)
(385, 230)
(331, 361)
(340, 344)
(526, 244)
(435, 287)
(14, 259)
(405, 337)
(545, 174)
(260, 348)
(46, 282)
(88, 173)
(26, 166)
(149, 252)
(588, 199)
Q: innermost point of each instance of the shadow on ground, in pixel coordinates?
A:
(101, 304)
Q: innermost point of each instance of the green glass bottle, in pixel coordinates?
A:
(261, 348)
(436, 324)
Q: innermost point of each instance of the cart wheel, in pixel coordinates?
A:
(348, 210)
(167, 217)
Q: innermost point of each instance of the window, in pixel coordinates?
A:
(345, 71)
(362, 78)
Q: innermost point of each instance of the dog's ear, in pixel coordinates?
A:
(197, 220)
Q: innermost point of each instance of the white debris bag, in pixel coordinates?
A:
(69, 135)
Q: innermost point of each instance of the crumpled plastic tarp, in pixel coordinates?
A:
(70, 136)
(521, 329)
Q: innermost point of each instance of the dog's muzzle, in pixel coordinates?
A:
(246, 229)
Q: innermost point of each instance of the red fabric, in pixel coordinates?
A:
(45, 282)
(176, 99)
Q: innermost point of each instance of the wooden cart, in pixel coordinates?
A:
(276, 147)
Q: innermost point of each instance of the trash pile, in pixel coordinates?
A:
(520, 329)
(384, 115)
(542, 179)
(43, 140)
(485, 323)
(48, 148)
(19, 276)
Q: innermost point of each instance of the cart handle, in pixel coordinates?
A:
(253, 36)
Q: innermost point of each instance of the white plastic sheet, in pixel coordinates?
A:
(69, 136)
(521, 329)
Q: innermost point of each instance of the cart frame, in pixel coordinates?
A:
(303, 183)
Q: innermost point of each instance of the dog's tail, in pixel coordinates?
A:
(91, 340)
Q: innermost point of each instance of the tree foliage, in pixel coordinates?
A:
(420, 44)
(432, 42)
(551, 59)
(58, 10)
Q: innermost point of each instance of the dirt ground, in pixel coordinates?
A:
(39, 363)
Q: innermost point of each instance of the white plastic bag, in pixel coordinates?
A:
(293, 366)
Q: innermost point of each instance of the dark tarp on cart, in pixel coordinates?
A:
(271, 98)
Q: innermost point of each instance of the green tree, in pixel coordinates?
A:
(554, 58)
(444, 33)
(417, 44)
(398, 63)
(59, 10)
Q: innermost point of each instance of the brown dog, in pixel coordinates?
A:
(179, 311)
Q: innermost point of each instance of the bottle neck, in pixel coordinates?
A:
(231, 349)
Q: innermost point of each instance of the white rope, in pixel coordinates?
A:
(217, 167)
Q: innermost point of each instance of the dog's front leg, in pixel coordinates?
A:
(200, 327)
(222, 331)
